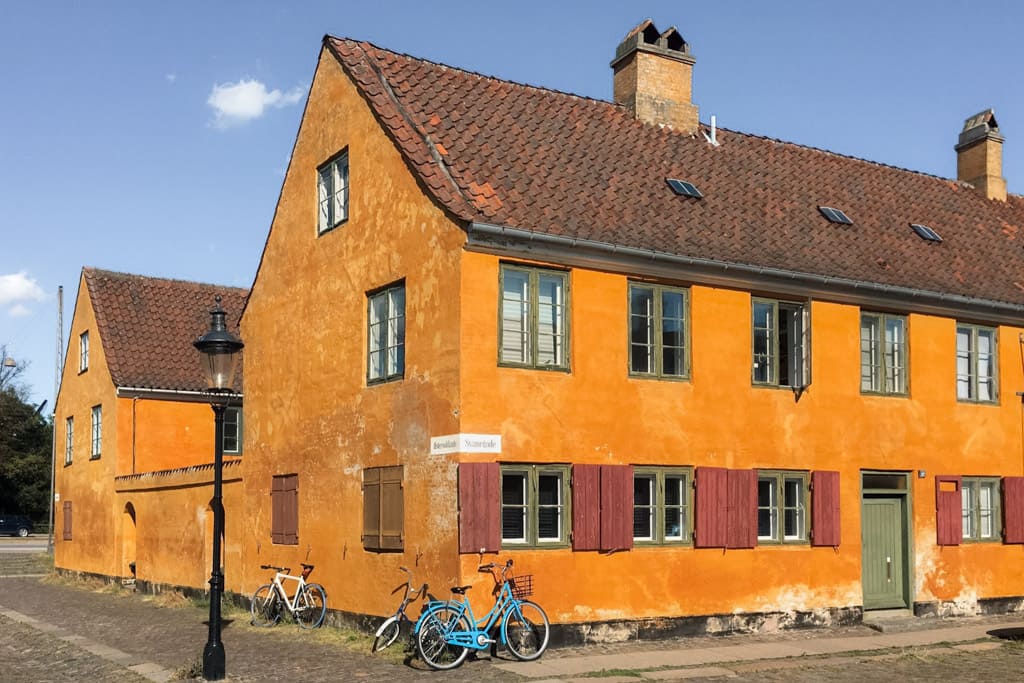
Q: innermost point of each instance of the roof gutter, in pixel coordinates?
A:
(176, 395)
(505, 241)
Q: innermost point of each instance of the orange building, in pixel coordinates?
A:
(135, 434)
(690, 379)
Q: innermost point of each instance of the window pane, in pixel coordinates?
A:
(514, 317)
(643, 508)
(986, 510)
(793, 502)
(767, 512)
(763, 321)
(963, 363)
(550, 321)
(641, 329)
(986, 365)
(326, 193)
(967, 508)
(549, 507)
(673, 333)
(513, 507)
(675, 517)
(895, 355)
(870, 360)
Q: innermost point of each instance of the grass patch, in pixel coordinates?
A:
(610, 673)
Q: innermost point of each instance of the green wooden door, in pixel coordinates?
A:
(883, 543)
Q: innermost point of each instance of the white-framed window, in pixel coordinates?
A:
(97, 431)
(533, 331)
(781, 343)
(83, 352)
(782, 507)
(332, 192)
(658, 331)
(385, 348)
(661, 505)
(69, 440)
(883, 354)
(976, 364)
(534, 505)
(233, 431)
(981, 514)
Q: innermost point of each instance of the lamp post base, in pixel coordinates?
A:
(213, 662)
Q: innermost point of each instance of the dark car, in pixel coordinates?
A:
(15, 525)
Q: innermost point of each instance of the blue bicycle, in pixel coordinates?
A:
(448, 630)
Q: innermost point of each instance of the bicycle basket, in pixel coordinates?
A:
(521, 586)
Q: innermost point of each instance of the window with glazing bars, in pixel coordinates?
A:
(233, 430)
(883, 353)
(976, 363)
(661, 510)
(657, 331)
(386, 344)
(782, 507)
(333, 191)
(97, 431)
(980, 508)
(534, 505)
(533, 326)
(781, 343)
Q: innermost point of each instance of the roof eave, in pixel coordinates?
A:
(517, 242)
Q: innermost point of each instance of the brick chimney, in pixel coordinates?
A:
(979, 155)
(654, 77)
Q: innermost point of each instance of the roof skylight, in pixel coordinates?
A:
(926, 233)
(681, 187)
(835, 215)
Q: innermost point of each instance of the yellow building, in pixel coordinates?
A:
(135, 434)
(677, 373)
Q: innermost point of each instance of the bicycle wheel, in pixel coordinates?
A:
(265, 606)
(311, 606)
(525, 630)
(432, 637)
(387, 633)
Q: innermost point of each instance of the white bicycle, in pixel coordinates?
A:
(307, 605)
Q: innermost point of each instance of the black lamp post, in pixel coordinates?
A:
(219, 349)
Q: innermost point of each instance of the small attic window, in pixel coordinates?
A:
(681, 187)
(835, 215)
(926, 233)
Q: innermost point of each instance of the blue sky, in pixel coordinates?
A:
(152, 137)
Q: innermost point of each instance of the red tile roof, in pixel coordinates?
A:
(147, 326)
(496, 152)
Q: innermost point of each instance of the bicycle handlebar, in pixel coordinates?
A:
(283, 570)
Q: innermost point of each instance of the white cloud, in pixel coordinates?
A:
(16, 289)
(237, 103)
(171, 77)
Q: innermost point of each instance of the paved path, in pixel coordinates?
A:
(56, 632)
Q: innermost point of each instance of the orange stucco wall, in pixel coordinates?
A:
(308, 408)
(310, 412)
(144, 437)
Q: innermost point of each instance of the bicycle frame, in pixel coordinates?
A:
(478, 637)
(278, 584)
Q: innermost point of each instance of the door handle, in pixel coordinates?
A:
(888, 568)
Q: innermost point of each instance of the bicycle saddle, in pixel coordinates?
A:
(460, 590)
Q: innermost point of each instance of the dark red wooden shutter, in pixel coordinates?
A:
(825, 508)
(949, 529)
(479, 507)
(741, 529)
(276, 510)
(586, 507)
(616, 507)
(712, 496)
(1013, 509)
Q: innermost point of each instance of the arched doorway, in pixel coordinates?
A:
(128, 536)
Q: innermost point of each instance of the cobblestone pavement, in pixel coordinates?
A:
(74, 622)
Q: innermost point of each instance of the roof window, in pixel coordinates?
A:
(926, 233)
(681, 187)
(835, 215)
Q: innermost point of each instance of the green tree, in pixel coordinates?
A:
(25, 446)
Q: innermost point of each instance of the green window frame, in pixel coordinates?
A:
(976, 367)
(659, 331)
(883, 354)
(533, 322)
(780, 343)
(981, 509)
(662, 505)
(535, 506)
(782, 506)
(332, 185)
(83, 351)
(385, 343)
